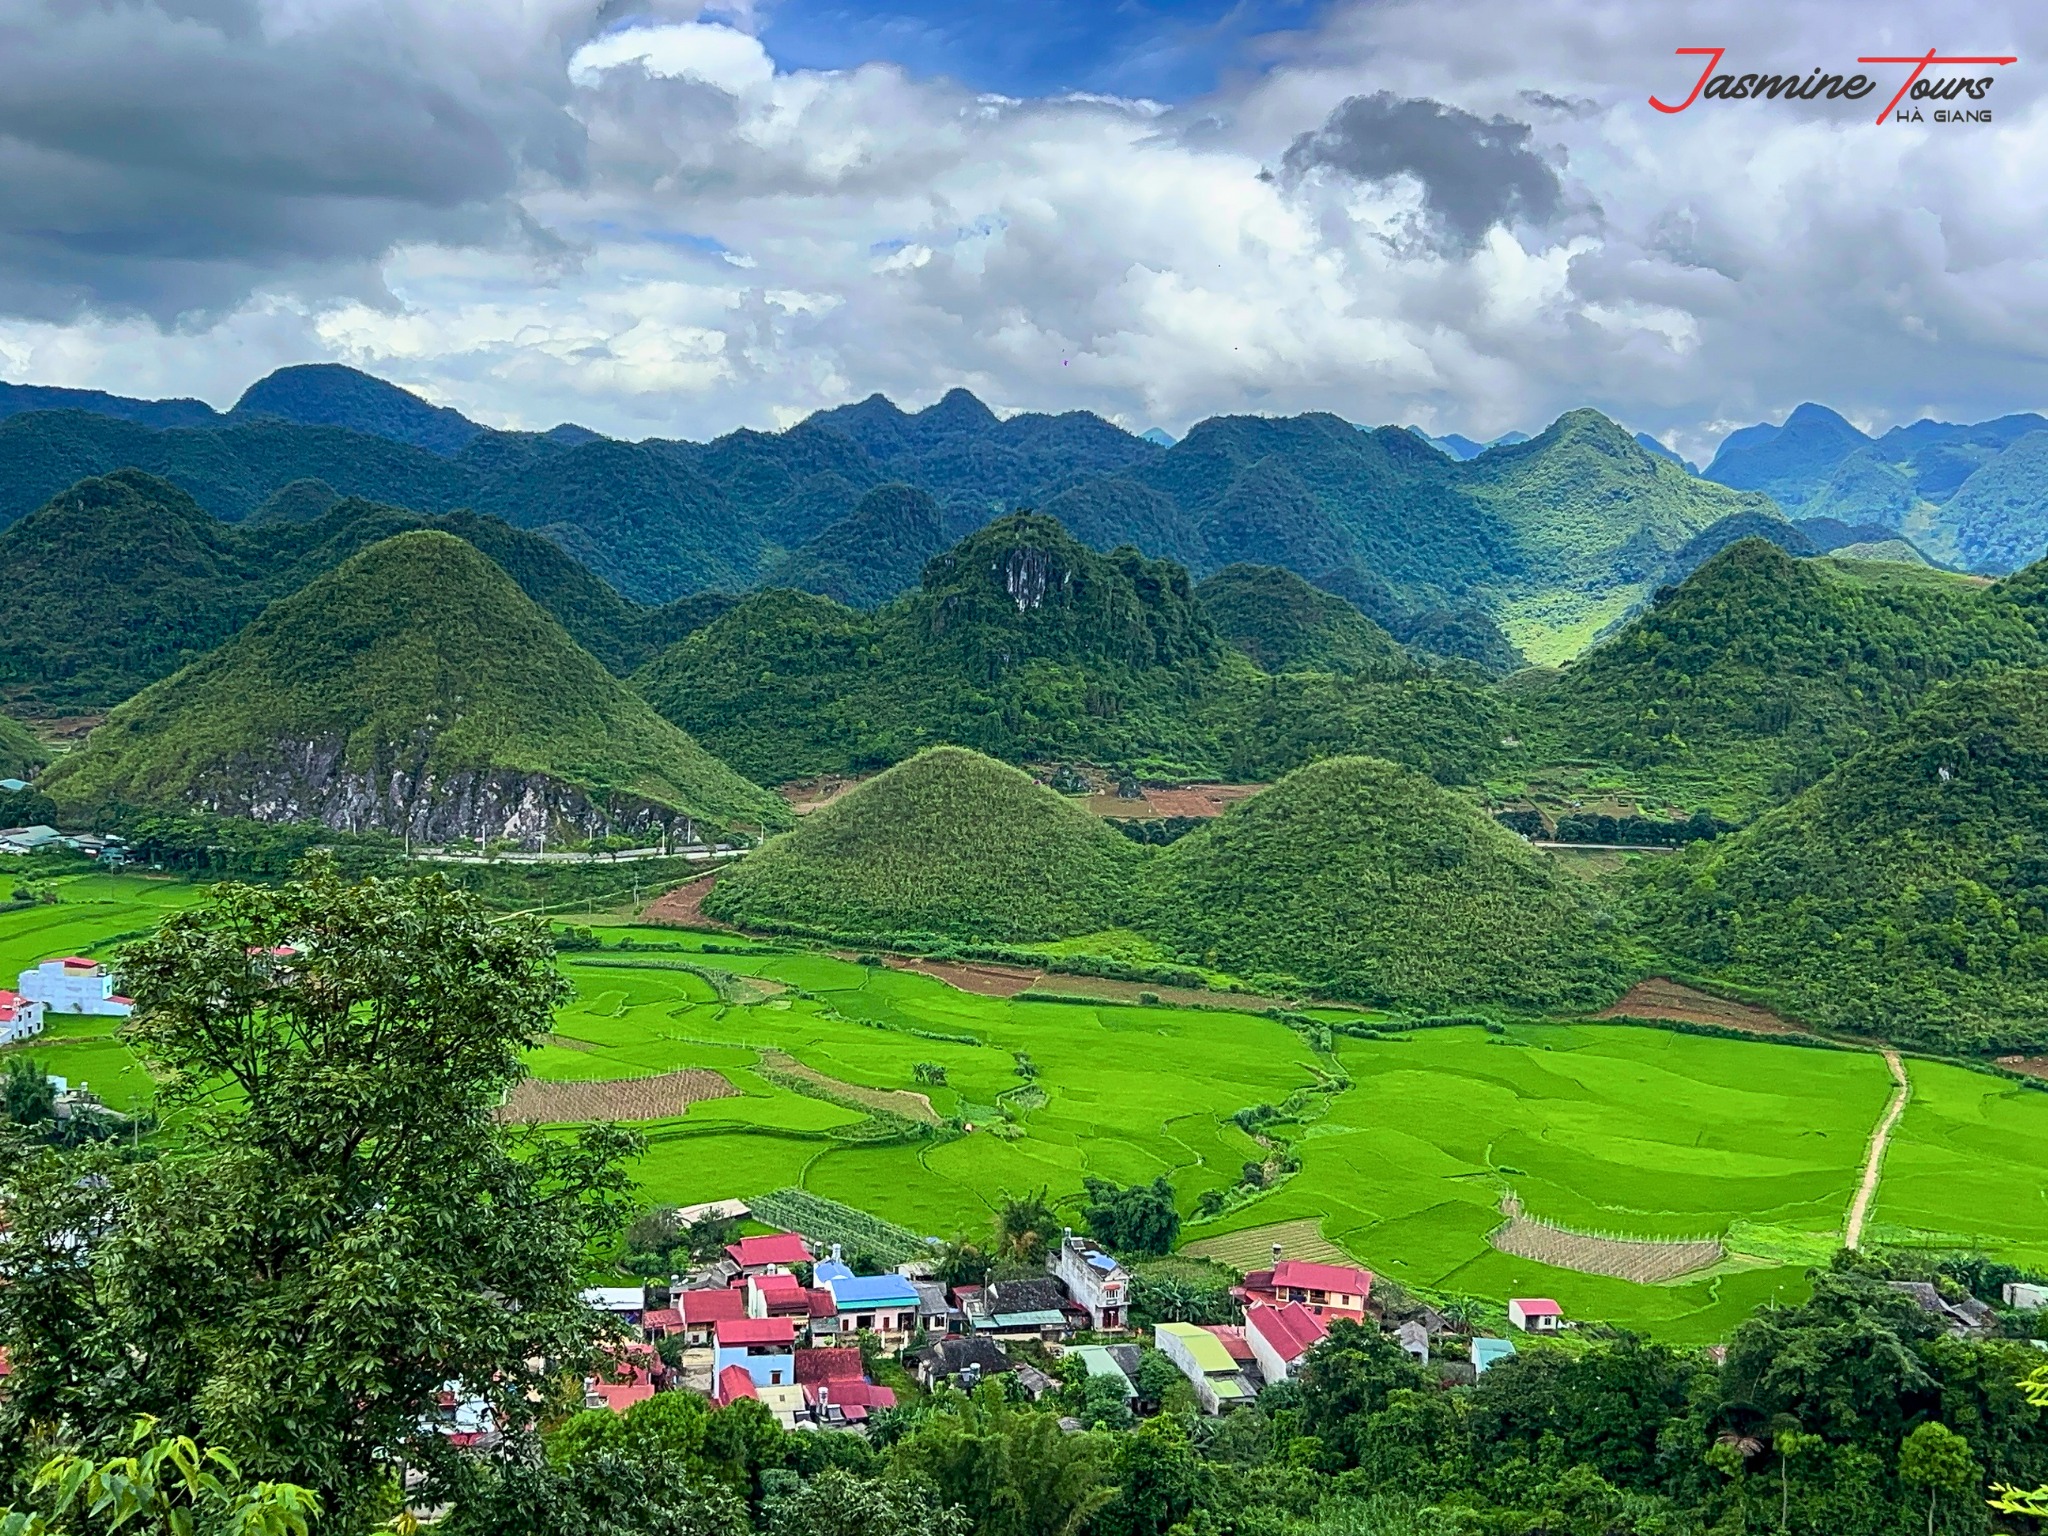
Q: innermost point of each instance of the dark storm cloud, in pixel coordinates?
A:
(170, 157)
(1475, 172)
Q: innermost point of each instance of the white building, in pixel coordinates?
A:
(20, 1017)
(2024, 1296)
(75, 985)
(1099, 1285)
(1535, 1314)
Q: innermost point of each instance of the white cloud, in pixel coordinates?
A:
(732, 243)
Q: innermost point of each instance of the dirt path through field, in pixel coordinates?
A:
(1873, 1165)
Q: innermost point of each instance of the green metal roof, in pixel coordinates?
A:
(1027, 1320)
(1101, 1363)
(1203, 1347)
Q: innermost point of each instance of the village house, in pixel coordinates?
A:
(1490, 1352)
(1535, 1314)
(1110, 1367)
(1966, 1318)
(785, 1400)
(1413, 1337)
(1201, 1356)
(1098, 1284)
(774, 1250)
(634, 1374)
(777, 1293)
(23, 840)
(627, 1303)
(703, 1310)
(20, 1018)
(884, 1305)
(935, 1311)
(764, 1347)
(1281, 1337)
(2018, 1293)
(962, 1361)
(1019, 1309)
(837, 1392)
(75, 985)
(1330, 1291)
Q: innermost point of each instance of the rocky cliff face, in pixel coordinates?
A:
(402, 795)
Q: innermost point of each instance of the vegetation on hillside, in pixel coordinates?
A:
(1286, 625)
(377, 695)
(1761, 672)
(949, 843)
(1905, 894)
(870, 555)
(21, 755)
(1366, 880)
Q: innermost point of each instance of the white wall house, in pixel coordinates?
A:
(1099, 1285)
(1535, 1314)
(75, 985)
(20, 1017)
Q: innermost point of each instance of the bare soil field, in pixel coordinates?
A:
(536, 1102)
(683, 907)
(1643, 1261)
(1104, 989)
(978, 977)
(2033, 1066)
(1662, 998)
(893, 1101)
(1157, 804)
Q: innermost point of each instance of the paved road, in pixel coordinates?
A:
(1873, 1164)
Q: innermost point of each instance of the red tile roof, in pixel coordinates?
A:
(851, 1395)
(830, 1366)
(734, 1383)
(822, 1303)
(1292, 1330)
(667, 1318)
(776, 1248)
(755, 1330)
(619, 1397)
(710, 1306)
(1322, 1277)
(1538, 1306)
(1233, 1339)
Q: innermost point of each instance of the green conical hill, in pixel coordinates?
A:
(950, 843)
(1906, 893)
(1365, 880)
(1286, 625)
(413, 687)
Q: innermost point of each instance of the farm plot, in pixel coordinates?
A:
(1252, 1247)
(535, 1101)
(1645, 1261)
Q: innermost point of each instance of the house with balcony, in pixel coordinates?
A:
(1331, 1291)
(1097, 1284)
(884, 1305)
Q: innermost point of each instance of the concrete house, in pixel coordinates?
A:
(1330, 1291)
(776, 1250)
(1098, 1284)
(702, 1311)
(963, 1361)
(1281, 1337)
(1020, 1309)
(763, 1347)
(884, 1305)
(75, 985)
(1535, 1314)
(2018, 1293)
(1209, 1366)
(20, 1018)
(1490, 1352)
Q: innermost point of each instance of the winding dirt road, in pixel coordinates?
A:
(1873, 1164)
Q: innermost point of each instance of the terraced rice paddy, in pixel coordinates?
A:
(1617, 1129)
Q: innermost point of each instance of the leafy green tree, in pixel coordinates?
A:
(2012, 1500)
(29, 1095)
(1350, 1377)
(1010, 1467)
(165, 1483)
(1938, 1459)
(1101, 1403)
(1158, 1479)
(603, 1494)
(836, 1503)
(1025, 1227)
(345, 1228)
(1138, 1220)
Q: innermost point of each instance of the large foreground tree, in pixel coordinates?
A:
(338, 1226)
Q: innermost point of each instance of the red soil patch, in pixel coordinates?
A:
(1156, 804)
(683, 907)
(806, 795)
(981, 979)
(632, 1098)
(2032, 1066)
(1662, 998)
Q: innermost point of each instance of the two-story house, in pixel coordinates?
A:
(1099, 1285)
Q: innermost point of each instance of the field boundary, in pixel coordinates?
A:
(897, 1102)
(1873, 1161)
(1252, 1247)
(1640, 1260)
(562, 1101)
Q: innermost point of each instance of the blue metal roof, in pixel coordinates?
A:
(828, 1270)
(871, 1291)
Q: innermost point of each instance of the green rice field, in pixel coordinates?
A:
(1605, 1128)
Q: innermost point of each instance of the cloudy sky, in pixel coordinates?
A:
(656, 218)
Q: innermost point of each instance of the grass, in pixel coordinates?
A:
(1599, 1127)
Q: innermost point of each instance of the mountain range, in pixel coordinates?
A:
(1472, 549)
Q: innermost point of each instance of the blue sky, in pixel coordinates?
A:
(1168, 50)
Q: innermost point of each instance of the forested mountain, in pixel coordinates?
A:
(870, 555)
(1368, 881)
(1286, 625)
(1973, 495)
(949, 844)
(1905, 894)
(122, 579)
(1761, 672)
(413, 688)
(1025, 644)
